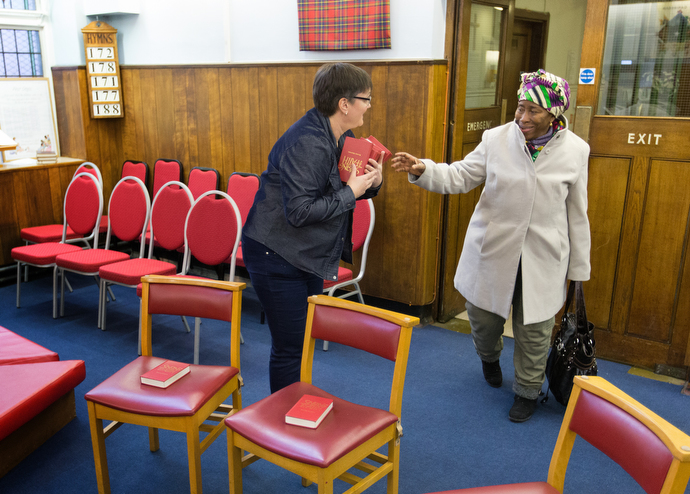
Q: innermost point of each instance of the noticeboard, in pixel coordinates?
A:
(26, 115)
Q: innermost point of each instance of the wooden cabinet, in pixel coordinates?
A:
(31, 196)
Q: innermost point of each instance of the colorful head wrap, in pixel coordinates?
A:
(546, 90)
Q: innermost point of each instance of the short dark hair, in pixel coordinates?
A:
(338, 80)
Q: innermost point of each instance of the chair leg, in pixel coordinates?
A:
(139, 336)
(234, 466)
(55, 309)
(394, 458)
(194, 458)
(100, 303)
(104, 306)
(19, 281)
(62, 291)
(154, 443)
(197, 337)
(99, 456)
(186, 324)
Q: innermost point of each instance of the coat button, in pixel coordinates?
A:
(335, 277)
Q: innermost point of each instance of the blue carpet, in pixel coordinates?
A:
(456, 428)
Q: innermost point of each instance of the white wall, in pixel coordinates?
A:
(241, 31)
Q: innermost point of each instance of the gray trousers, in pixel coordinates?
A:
(532, 342)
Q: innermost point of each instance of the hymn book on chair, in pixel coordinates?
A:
(356, 154)
(165, 374)
(309, 411)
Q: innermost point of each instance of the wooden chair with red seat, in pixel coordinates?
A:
(192, 405)
(655, 453)
(363, 220)
(168, 214)
(82, 210)
(351, 434)
(128, 214)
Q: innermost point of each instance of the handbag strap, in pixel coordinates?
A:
(581, 311)
(569, 297)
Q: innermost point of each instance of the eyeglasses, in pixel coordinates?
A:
(368, 100)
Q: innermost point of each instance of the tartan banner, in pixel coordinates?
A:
(344, 24)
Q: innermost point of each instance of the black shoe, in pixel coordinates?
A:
(522, 409)
(492, 373)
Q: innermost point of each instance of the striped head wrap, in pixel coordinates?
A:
(546, 90)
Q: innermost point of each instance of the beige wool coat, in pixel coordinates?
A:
(536, 211)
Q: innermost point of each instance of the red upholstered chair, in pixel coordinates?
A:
(187, 404)
(242, 187)
(211, 236)
(202, 180)
(362, 228)
(130, 168)
(128, 214)
(82, 210)
(168, 214)
(351, 434)
(164, 171)
(53, 232)
(655, 453)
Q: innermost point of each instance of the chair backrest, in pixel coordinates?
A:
(655, 453)
(88, 167)
(202, 180)
(128, 210)
(168, 215)
(242, 187)
(370, 329)
(83, 206)
(212, 230)
(196, 297)
(363, 221)
(137, 169)
(165, 171)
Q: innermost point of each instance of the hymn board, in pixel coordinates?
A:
(103, 71)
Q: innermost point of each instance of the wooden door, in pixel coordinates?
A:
(636, 119)
(483, 31)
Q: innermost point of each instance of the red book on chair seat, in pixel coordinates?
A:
(309, 411)
(165, 374)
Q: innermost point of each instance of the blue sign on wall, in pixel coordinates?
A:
(586, 76)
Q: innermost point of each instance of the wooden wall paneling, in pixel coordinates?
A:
(267, 86)
(244, 112)
(662, 243)
(179, 103)
(149, 113)
(213, 111)
(192, 125)
(406, 221)
(607, 187)
(71, 135)
(165, 116)
(292, 100)
(133, 141)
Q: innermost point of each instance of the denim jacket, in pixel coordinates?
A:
(302, 210)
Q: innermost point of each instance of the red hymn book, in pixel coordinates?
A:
(165, 374)
(356, 154)
(309, 411)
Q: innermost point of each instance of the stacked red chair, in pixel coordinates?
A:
(83, 208)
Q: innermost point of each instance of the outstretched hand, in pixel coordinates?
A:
(405, 162)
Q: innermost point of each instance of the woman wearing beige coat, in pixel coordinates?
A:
(529, 232)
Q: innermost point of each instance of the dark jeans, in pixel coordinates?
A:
(283, 291)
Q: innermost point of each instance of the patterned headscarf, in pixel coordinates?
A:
(546, 90)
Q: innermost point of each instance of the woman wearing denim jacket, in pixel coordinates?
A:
(300, 224)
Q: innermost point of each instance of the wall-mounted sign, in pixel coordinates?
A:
(587, 76)
(103, 71)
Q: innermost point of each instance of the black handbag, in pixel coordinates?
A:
(572, 352)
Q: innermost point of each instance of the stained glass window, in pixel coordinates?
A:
(20, 53)
(646, 67)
